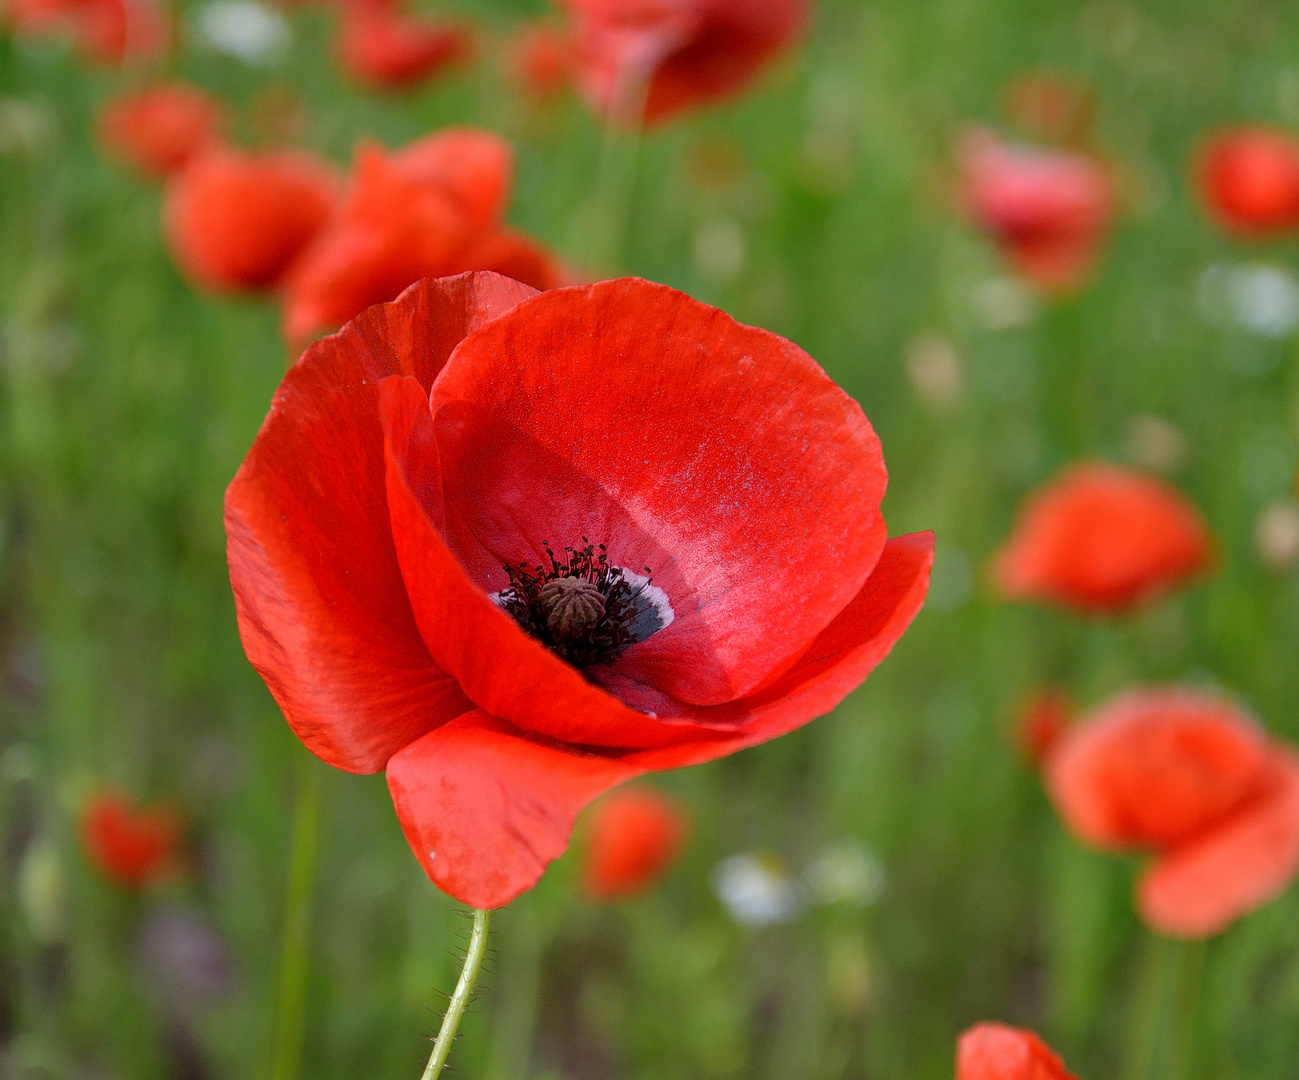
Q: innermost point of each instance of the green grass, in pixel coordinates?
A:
(127, 402)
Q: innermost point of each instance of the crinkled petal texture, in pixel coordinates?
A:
(369, 527)
(1001, 1052)
(237, 221)
(1248, 179)
(1186, 773)
(676, 54)
(1102, 538)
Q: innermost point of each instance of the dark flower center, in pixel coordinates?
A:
(581, 608)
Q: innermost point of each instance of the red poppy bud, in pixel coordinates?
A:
(129, 846)
(635, 836)
(1102, 538)
(1041, 720)
(237, 220)
(675, 54)
(1248, 178)
(1048, 210)
(430, 210)
(158, 130)
(542, 60)
(426, 475)
(383, 49)
(1187, 774)
(1000, 1052)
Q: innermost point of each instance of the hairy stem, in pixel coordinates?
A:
(459, 999)
(286, 1060)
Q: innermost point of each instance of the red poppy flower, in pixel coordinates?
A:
(542, 60)
(430, 210)
(1041, 720)
(635, 835)
(106, 31)
(1001, 1052)
(439, 546)
(1185, 773)
(1102, 538)
(237, 220)
(129, 846)
(1248, 178)
(383, 49)
(1048, 210)
(675, 54)
(158, 130)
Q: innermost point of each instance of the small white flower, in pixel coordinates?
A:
(757, 890)
(1002, 303)
(244, 29)
(846, 873)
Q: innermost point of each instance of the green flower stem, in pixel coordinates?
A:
(459, 999)
(1166, 1016)
(616, 174)
(286, 1060)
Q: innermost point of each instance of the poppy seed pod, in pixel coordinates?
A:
(1187, 774)
(652, 59)
(1248, 180)
(423, 477)
(1048, 210)
(157, 130)
(236, 220)
(1000, 1052)
(1102, 539)
(634, 837)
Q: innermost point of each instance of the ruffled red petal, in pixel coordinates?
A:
(476, 168)
(1001, 1052)
(322, 607)
(725, 447)
(486, 807)
(1154, 767)
(1198, 888)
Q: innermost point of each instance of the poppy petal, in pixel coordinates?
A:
(486, 807)
(727, 445)
(1198, 888)
(501, 668)
(322, 609)
(475, 167)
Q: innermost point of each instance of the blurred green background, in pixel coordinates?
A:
(818, 206)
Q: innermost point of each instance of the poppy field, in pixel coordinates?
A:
(627, 538)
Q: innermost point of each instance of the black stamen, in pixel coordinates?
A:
(581, 608)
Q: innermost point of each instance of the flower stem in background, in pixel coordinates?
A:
(1166, 1012)
(606, 220)
(460, 998)
(286, 1061)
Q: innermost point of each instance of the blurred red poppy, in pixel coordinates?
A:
(542, 61)
(1248, 178)
(674, 54)
(1001, 1052)
(106, 31)
(159, 129)
(1048, 210)
(1186, 773)
(635, 836)
(408, 546)
(1040, 721)
(129, 846)
(384, 49)
(1102, 538)
(236, 220)
(429, 210)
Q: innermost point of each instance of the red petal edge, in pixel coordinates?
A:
(322, 609)
(486, 807)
